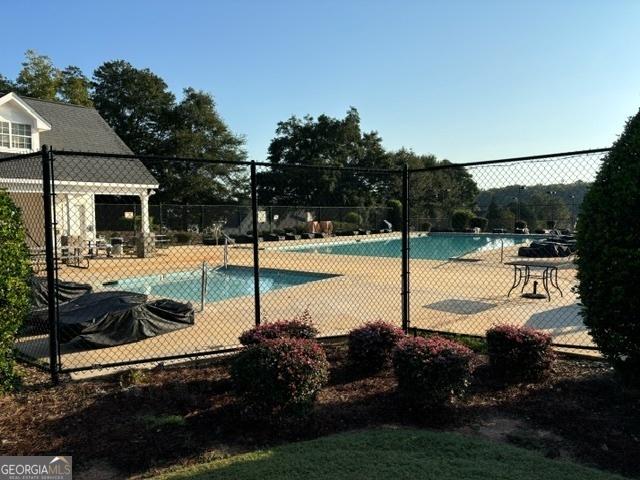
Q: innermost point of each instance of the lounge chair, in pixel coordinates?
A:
(545, 250)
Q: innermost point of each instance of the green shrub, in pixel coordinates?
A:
(519, 353)
(338, 226)
(371, 345)
(282, 375)
(431, 371)
(520, 224)
(479, 222)
(354, 218)
(460, 219)
(475, 344)
(184, 238)
(395, 215)
(14, 287)
(609, 261)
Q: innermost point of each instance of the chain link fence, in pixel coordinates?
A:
(124, 274)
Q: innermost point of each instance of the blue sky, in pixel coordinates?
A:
(464, 80)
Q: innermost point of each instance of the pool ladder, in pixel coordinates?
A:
(204, 277)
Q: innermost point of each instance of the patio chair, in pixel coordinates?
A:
(72, 252)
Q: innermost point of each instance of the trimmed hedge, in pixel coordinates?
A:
(14, 287)
(282, 375)
(479, 222)
(519, 353)
(460, 219)
(371, 346)
(300, 327)
(431, 371)
(608, 240)
(354, 218)
(520, 224)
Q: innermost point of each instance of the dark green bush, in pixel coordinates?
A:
(280, 376)
(609, 261)
(426, 226)
(519, 353)
(14, 287)
(520, 224)
(184, 238)
(479, 222)
(354, 218)
(370, 346)
(460, 219)
(431, 371)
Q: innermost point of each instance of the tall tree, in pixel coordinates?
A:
(322, 142)
(434, 193)
(136, 103)
(197, 130)
(74, 87)
(6, 85)
(38, 77)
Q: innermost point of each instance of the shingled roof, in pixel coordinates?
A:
(81, 129)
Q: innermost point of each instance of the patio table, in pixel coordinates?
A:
(522, 274)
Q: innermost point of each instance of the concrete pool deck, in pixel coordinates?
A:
(464, 297)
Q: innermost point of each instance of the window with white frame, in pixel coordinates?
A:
(20, 136)
(15, 135)
(5, 135)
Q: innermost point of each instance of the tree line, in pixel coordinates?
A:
(139, 106)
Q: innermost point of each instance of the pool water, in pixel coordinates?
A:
(432, 247)
(222, 283)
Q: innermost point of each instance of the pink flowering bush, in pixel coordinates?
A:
(519, 353)
(431, 371)
(280, 375)
(300, 327)
(370, 346)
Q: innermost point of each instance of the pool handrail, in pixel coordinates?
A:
(203, 285)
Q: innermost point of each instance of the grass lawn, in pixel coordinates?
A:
(391, 453)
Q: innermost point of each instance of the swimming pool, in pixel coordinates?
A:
(222, 283)
(431, 247)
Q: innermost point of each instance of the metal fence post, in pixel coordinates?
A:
(256, 255)
(47, 197)
(405, 248)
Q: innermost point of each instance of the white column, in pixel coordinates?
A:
(144, 213)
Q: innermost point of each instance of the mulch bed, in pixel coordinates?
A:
(143, 421)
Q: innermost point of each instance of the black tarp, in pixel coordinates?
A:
(37, 321)
(106, 319)
(65, 291)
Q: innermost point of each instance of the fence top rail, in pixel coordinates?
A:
(166, 158)
(246, 205)
(161, 158)
(512, 159)
(21, 156)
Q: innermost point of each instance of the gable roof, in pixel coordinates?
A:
(41, 123)
(79, 129)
